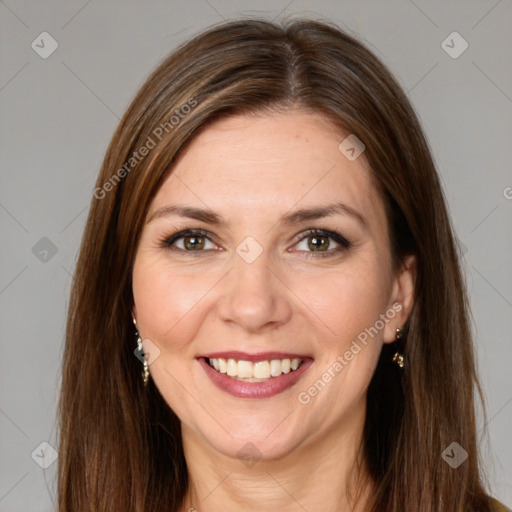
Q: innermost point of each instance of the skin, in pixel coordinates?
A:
(252, 170)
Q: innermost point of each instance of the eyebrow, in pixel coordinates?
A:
(295, 217)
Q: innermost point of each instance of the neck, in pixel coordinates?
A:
(321, 475)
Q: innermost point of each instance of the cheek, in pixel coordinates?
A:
(347, 307)
(167, 302)
(346, 301)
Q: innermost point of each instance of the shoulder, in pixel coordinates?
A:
(496, 506)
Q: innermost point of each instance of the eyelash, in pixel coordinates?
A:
(344, 244)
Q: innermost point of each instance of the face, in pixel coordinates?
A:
(263, 285)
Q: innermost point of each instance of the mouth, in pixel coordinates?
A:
(259, 371)
(254, 376)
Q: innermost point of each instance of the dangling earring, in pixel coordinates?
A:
(145, 373)
(398, 358)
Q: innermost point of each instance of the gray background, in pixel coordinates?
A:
(59, 113)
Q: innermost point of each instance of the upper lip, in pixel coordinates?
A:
(254, 357)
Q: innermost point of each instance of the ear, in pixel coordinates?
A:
(134, 312)
(402, 297)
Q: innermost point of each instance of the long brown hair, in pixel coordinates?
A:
(120, 443)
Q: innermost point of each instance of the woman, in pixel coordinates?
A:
(268, 236)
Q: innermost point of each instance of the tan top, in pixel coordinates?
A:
(498, 507)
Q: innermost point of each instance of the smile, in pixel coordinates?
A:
(254, 376)
(259, 371)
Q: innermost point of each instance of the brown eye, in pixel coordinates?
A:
(193, 243)
(318, 243)
(189, 240)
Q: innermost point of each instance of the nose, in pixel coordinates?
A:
(254, 296)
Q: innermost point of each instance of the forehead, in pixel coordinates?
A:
(272, 163)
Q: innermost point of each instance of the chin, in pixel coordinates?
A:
(264, 435)
(253, 447)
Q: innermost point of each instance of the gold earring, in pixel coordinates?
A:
(398, 358)
(145, 373)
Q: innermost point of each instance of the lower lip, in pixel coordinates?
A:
(240, 389)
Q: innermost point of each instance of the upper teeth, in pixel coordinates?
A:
(243, 370)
